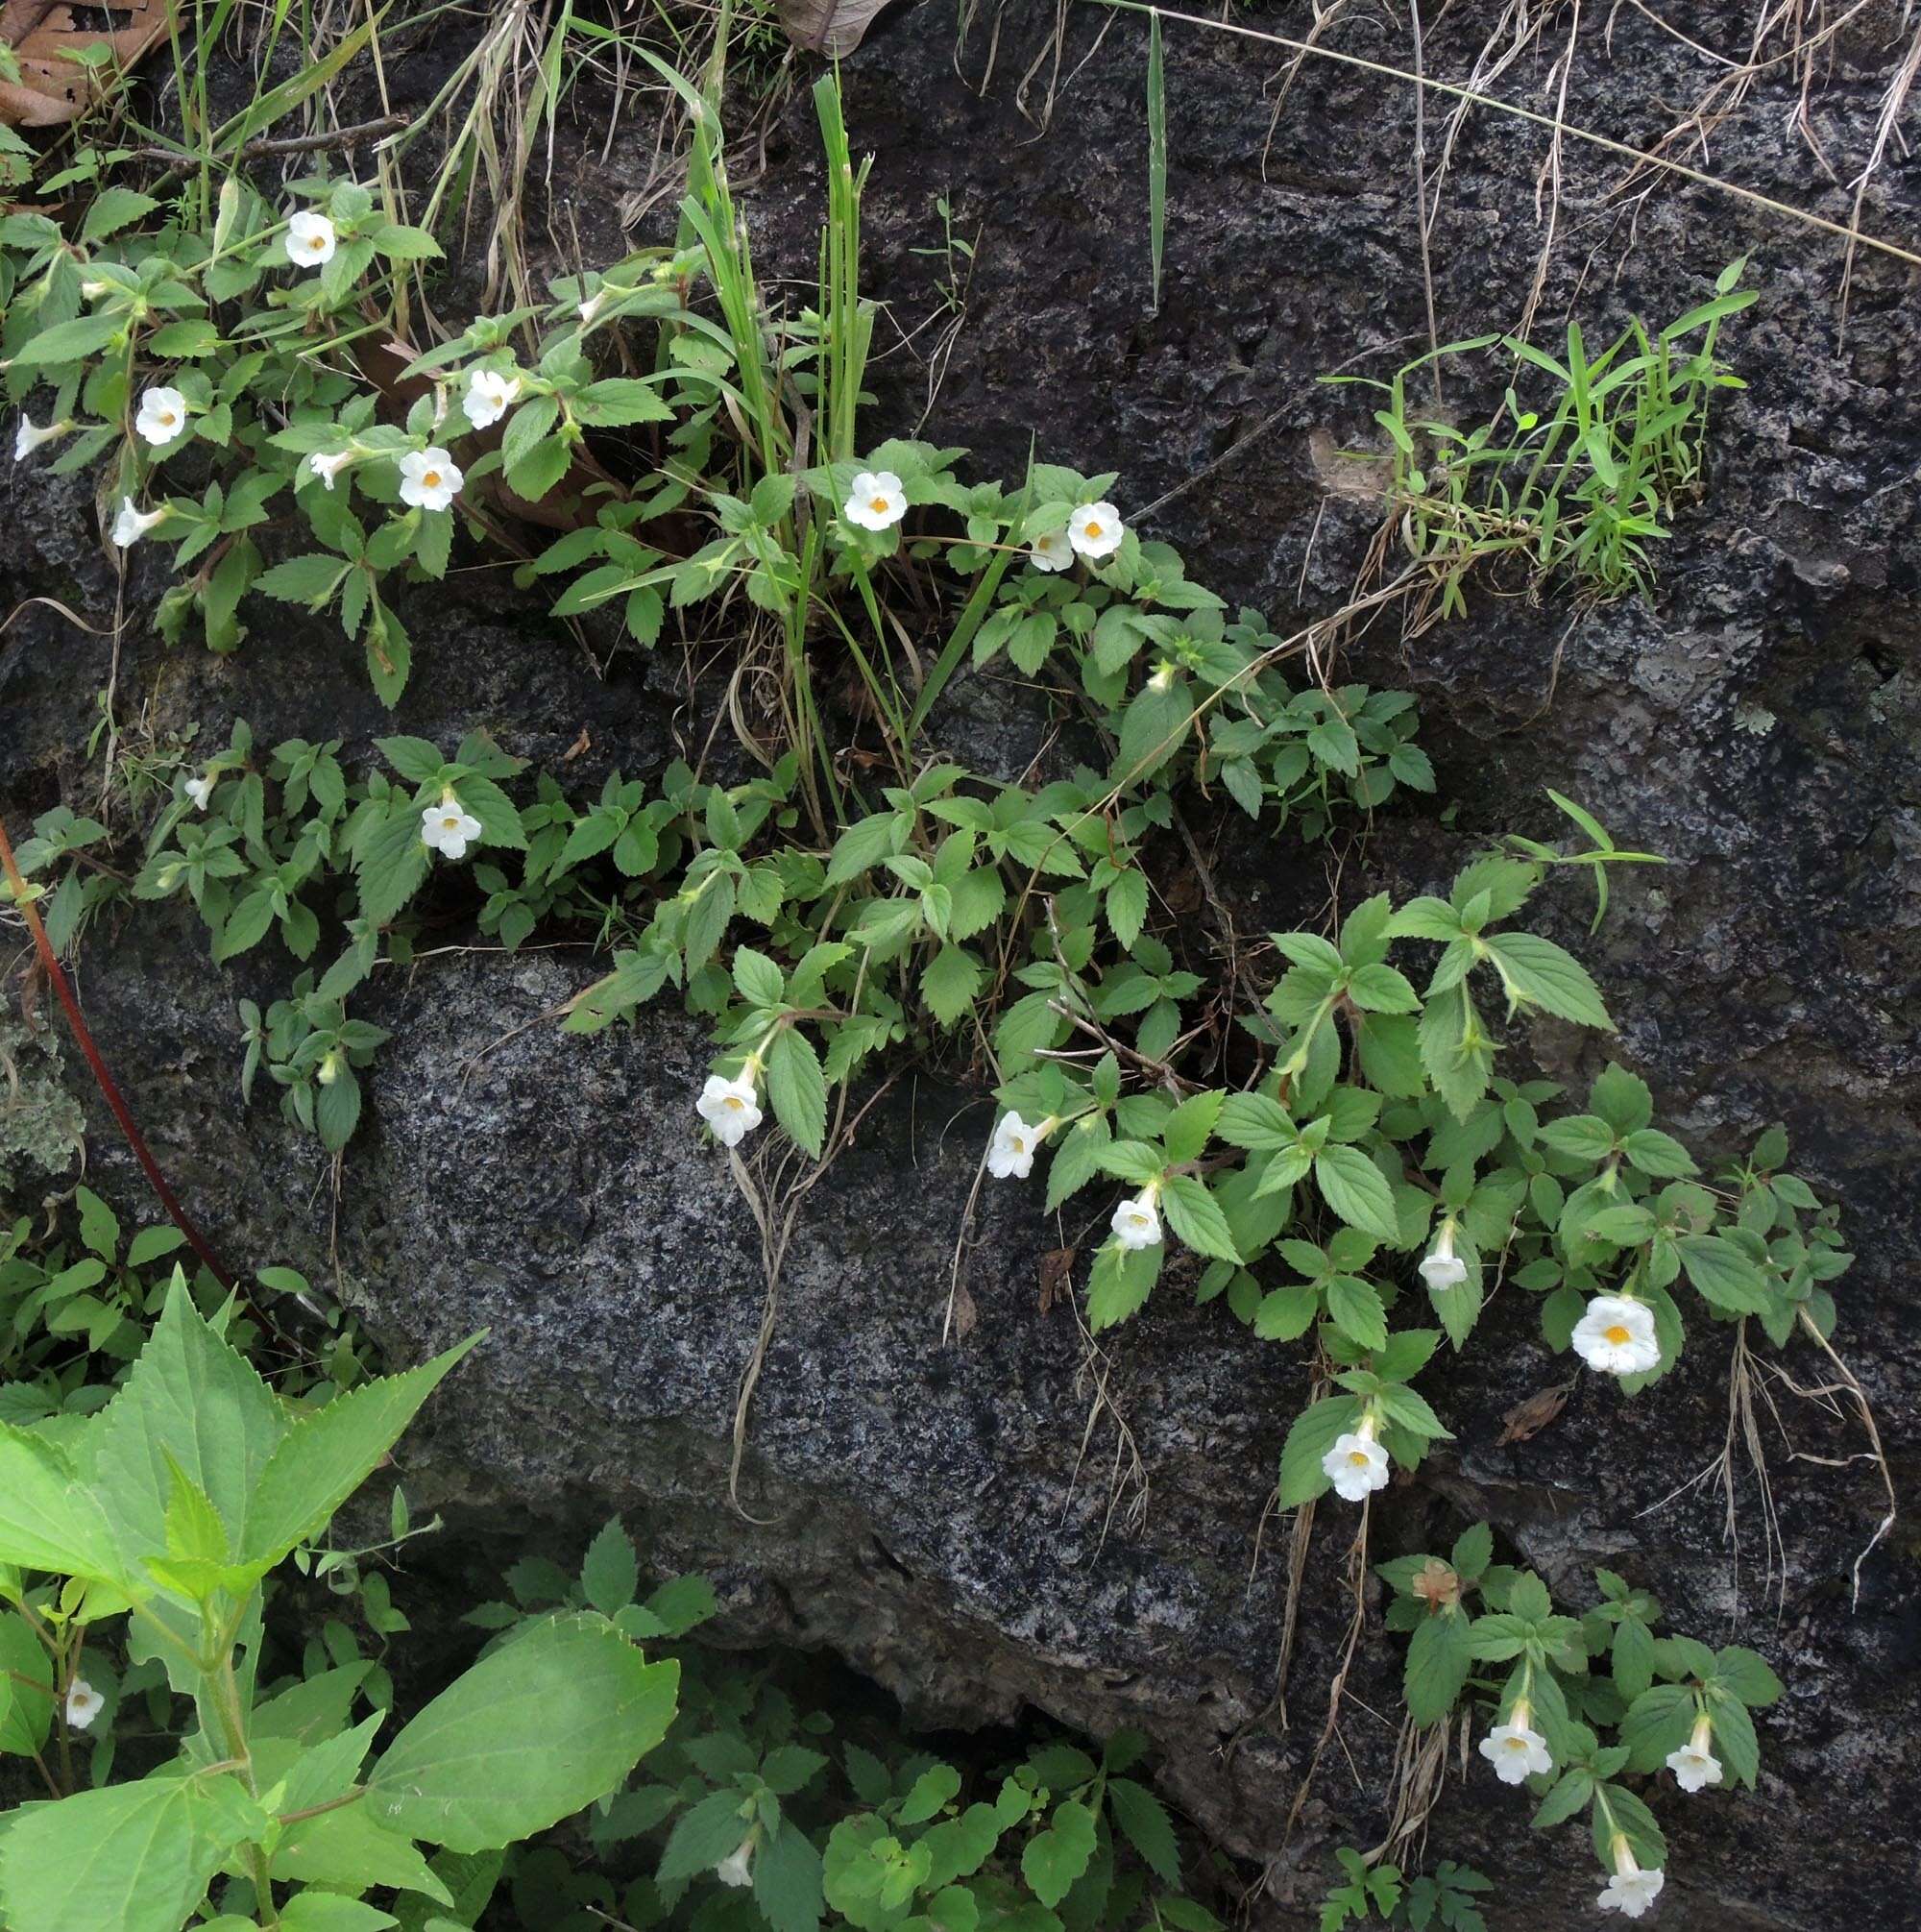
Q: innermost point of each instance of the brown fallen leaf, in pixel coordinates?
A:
(1529, 1418)
(1057, 1277)
(54, 87)
(579, 749)
(830, 27)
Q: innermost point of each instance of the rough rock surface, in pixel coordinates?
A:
(941, 1513)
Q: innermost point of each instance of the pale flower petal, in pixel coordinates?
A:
(1356, 1465)
(1136, 1222)
(1631, 1891)
(1616, 1336)
(1010, 1151)
(28, 437)
(1095, 530)
(448, 828)
(161, 417)
(488, 396)
(131, 525)
(876, 501)
(731, 1107)
(83, 1703)
(429, 479)
(1516, 1752)
(199, 791)
(736, 1868)
(1053, 551)
(310, 239)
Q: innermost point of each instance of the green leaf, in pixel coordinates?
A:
(617, 400)
(1127, 905)
(114, 209)
(1356, 1308)
(1633, 1658)
(1054, 1858)
(798, 1090)
(787, 1881)
(69, 341)
(1747, 1676)
(1568, 1798)
(130, 1858)
(390, 863)
(1144, 1819)
(610, 1573)
(702, 1836)
(1311, 1438)
(1120, 1283)
(1538, 972)
(550, 1723)
(1723, 1274)
(329, 1912)
(329, 1453)
(311, 580)
(950, 983)
(1356, 1190)
(1439, 1659)
(1657, 1153)
(1196, 1216)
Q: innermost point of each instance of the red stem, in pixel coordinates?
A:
(195, 1239)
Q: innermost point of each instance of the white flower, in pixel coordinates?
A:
(876, 501)
(1516, 1750)
(1136, 1222)
(1631, 1890)
(27, 438)
(1053, 551)
(162, 416)
(593, 305)
(131, 525)
(489, 395)
(1442, 1269)
(732, 1108)
(1096, 530)
(1694, 1766)
(1616, 1336)
(328, 467)
(429, 478)
(1010, 1152)
(199, 791)
(449, 827)
(1357, 1464)
(734, 1869)
(310, 239)
(82, 1703)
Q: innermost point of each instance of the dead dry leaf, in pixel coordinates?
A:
(830, 27)
(1057, 1277)
(1529, 1418)
(46, 39)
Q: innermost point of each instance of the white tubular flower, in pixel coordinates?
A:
(1694, 1766)
(162, 416)
(1011, 1150)
(1053, 551)
(84, 1704)
(1616, 1336)
(488, 396)
(1442, 1268)
(732, 1108)
(1357, 1464)
(1136, 1222)
(877, 501)
(329, 468)
(449, 827)
(1515, 1750)
(1631, 1891)
(593, 305)
(199, 791)
(131, 525)
(310, 239)
(430, 478)
(27, 437)
(1096, 530)
(736, 1867)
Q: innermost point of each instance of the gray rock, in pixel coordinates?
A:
(967, 1519)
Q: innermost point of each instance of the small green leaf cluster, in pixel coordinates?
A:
(1575, 486)
(1444, 1899)
(1573, 1681)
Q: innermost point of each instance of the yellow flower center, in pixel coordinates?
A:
(167, 419)
(1358, 1458)
(1619, 1335)
(878, 504)
(316, 242)
(450, 821)
(1091, 529)
(1516, 1744)
(432, 479)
